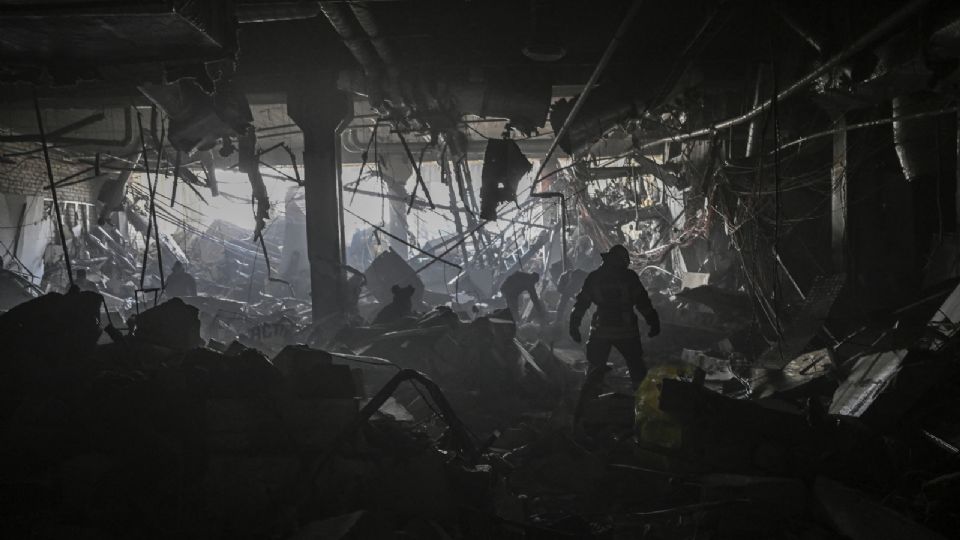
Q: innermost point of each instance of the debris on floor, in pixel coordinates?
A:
(540, 269)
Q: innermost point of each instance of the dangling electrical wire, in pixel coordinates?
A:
(150, 220)
(153, 196)
(365, 155)
(777, 204)
(53, 187)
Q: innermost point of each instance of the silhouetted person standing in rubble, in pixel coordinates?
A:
(180, 283)
(516, 284)
(616, 290)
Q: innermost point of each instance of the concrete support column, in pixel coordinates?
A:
(396, 170)
(318, 108)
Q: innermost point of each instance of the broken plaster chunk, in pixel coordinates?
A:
(172, 324)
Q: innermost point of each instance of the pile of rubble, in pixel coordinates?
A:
(445, 426)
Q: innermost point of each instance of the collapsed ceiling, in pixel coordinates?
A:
(782, 178)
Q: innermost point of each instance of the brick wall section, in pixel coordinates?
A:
(28, 176)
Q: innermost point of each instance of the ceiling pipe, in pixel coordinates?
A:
(803, 31)
(887, 25)
(69, 128)
(361, 10)
(352, 144)
(352, 34)
(59, 136)
(862, 125)
(588, 88)
(643, 166)
(276, 11)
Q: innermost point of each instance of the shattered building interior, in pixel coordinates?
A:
(458, 269)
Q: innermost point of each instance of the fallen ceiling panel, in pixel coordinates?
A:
(111, 32)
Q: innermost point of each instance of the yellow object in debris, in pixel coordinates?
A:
(653, 425)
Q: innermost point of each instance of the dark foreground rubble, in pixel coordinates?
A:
(145, 434)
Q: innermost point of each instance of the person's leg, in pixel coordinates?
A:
(632, 352)
(513, 304)
(598, 350)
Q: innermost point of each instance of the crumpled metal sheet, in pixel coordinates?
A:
(823, 293)
(945, 323)
(140, 223)
(389, 269)
(868, 379)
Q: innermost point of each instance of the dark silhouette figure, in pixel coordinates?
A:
(82, 282)
(616, 290)
(401, 306)
(516, 284)
(569, 285)
(180, 283)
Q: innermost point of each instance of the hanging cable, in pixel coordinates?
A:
(151, 211)
(363, 164)
(53, 187)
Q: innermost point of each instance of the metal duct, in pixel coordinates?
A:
(523, 97)
(353, 35)
(353, 144)
(544, 43)
(643, 166)
(59, 136)
(361, 10)
(795, 21)
(112, 192)
(610, 106)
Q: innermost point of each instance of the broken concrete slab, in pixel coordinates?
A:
(14, 290)
(295, 361)
(392, 408)
(172, 324)
(692, 280)
(807, 322)
(389, 269)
